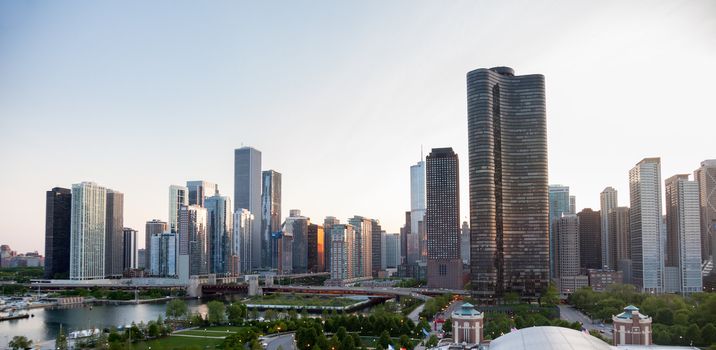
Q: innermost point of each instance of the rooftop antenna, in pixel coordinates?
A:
(421, 152)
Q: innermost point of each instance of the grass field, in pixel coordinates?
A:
(195, 342)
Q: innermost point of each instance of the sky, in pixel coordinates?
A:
(339, 97)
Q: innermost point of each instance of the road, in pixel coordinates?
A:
(569, 313)
(285, 342)
(415, 315)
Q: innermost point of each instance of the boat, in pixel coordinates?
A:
(13, 315)
(84, 333)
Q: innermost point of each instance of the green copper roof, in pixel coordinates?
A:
(466, 309)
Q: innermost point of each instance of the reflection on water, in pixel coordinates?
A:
(46, 323)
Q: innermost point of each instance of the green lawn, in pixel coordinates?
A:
(301, 300)
(176, 342)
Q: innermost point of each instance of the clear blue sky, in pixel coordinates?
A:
(339, 96)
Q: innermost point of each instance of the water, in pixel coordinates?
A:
(46, 323)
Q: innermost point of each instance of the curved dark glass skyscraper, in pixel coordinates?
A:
(509, 198)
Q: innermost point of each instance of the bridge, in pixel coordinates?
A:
(387, 292)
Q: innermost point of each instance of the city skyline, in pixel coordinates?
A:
(583, 76)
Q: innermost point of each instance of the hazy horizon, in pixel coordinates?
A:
(339, 98)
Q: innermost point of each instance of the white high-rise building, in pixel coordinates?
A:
(178, 196)
(342, 245)
(608, 202)
(417, 240)
(647, 235)
(242, 241)
(87, 231)
(683, 243)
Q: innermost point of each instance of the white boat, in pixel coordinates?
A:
(84, 333)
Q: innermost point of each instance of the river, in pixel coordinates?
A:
(46, 323)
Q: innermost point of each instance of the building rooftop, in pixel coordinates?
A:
(629, 311)
(548, 338)
(466, 309)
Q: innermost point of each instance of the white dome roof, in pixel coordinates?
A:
(548, 338)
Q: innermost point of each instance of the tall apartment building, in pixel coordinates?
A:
(270, 217)
(392, 250)
(569, 250)
(416, 240)
(705, 176)
(442, 219)
(590, 240)
(247, 194)
(244, 222)
(608, 201)
(193, 239)
(363, 254)
(151, 228)
(199, 191)
(296, 226)
(509, 195)
(178, 196)
(328, 223)
(88, 231)
(645, 219)
(559, 205)
(164, 254)
(620, 236)
(129, 249)
(220, 234)
(114, 226)
(58, 209)
(315, 237)
(343, 250)
(376, 249)
(683, 236)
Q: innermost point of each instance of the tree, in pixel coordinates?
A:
(153, 329)
(61, 340)
(216, 313)
(432, 342)
(405, 342)
(447, 326)
(384, 339)
(271, 315)
(347, 344)
(511, 298)
(693, 334)
(550, 297)
(341, 333)
(708, 334)
(239, 339)
(236, 312)
(176, 309)
(20, 342)
(254, 314)
(356, 340)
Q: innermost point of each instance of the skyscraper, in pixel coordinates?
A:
(442, 219)
(509, 198)
(590, 232)
(58, 207)
(328, 223)
(243, 230)
(342, 252)
(199, 190)
(705, 176)
(404, 232)
(683, 236)
(376, 253)
(87, 231)
(558, 205)
(270, 217)
(416, 241)
(296, 226)
(129, 250)
(164, 254)
(619, 235)
(363, 247)
(247, 194)
(392, 250)
(465, 242)
(572, 204)
(220, 233)
(608, 202)
(647, 253)
(151, 228)
(316, 248)
(193, 240)
(566, 229)
(178, 196)
(114, 226)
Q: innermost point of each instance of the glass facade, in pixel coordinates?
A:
(57, 232)
(270, 217)
(193, 240)
(87, 231)
(220, 234)
(247, 194)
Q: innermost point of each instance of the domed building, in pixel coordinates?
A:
(632, 327)
(548, 337)
(467, 325)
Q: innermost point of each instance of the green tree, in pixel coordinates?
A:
(176, 309)
(239, 339)
(341, 333)
(356, 340)
(236, 313)
(254, 314)
(216, 313)
(384, 339)
(405, 342)
(334, 343)
(447, 326)
(708, 334)
(61, 340)
(20, 342)
(432, 341)
(693, 334)
(550, 297)
(271, 315)
(153, 329)
(347, 344)
(511, 298)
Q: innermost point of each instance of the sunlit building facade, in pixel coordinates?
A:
(683, 235)
(220, 234)
(270, 217)
(87, 231)
(242, 240)
(608, 202)
(193, 240)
